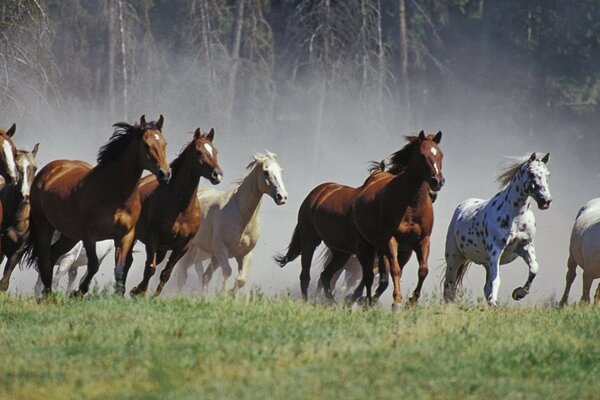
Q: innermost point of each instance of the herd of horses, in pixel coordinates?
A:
(73, 214)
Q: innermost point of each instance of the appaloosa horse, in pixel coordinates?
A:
(498, 230)
(95, 203)
(170, 212)
(15, 224)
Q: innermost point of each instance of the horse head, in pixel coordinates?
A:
(27, 167)
(8, 154)
(431, 156)
(207, 156)
(153, 154)
(536, 176)
(270, 177)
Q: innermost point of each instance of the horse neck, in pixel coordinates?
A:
(514, 199)
(248, 196)
(183, 186)
(122, 174)
(12, 203)
(408, 188)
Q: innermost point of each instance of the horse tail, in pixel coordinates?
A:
(293, 250)
(458, 280)
(30, 253)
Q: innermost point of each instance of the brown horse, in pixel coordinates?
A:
(8, 155)
(171, 213)
(325, 216)
(15, 224)
(95, 203)
(394, 213)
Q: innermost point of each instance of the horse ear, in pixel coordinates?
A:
(143, 121)
(11, 131)
(438, 137)
(532, 158)
(35, 149)
(160, 122)
(197, 133)
(271, 155)
(545, 158)
(422, 135)
(211, 134)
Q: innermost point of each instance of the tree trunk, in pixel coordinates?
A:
(403, 31)
(234, 55)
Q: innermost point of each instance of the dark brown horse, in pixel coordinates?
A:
(394, 212)
(8, 155)
(95, 203)
(171, 213)
(15, 224)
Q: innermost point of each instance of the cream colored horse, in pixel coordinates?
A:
(230, 226)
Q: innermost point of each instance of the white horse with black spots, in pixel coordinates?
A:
(498, 230)
(584, 251)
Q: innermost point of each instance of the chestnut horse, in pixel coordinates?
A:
(394, 213)
(15, 224)
(8, 155)
(95, 203)
(325, 216)
(171, 213)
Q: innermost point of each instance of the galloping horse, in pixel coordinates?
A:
(584, 251)
(95, 203)
(498, 230)
(230, 224)
(8, 155)
(170, 213)
(15, 224)
(394, 213)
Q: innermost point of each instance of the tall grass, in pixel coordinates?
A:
(191, 348)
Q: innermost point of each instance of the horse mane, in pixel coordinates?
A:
(510, 169)
(256, 158)
(399, 160)
(177, 163)
(120, 139)
(376, 166)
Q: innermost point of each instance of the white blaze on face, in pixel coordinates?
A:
(156, 136)
(434, 151)
(208, 148)
(25, 187)
(10, 160)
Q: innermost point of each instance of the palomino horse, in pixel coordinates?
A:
(68, 263)
(394, 213)
(15, 224)
(171, 213)
(498, 230)
(584, 251)
(95, 203)
(230, 225)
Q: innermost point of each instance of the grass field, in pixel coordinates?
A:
(253, 347)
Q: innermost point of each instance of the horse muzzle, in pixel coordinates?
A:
(280, 198)
(164, 176)
(544, 204)
(215, 177)
(436, 183)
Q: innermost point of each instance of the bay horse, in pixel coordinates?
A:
(230, 225)
(8, 155)
(95, 203)
(496, 231)
(15, 224)
(584, 251)
(171, 213)
(394, 214)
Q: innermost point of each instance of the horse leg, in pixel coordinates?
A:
(396, 266)
(42, 245)
(587, 286)
(383, 266)
(422, 257)
(571, 274)
(183, 267)
(455, 265)
(308, 250)
(11, 263)
(149, 270)
(206, 276)
(92, 268)
(72, 275)
(492, 283)
(365, 255)
(528, 254)
(336, 262)
(63, 245)
(123, 259)
(175, 256)
(243, 266)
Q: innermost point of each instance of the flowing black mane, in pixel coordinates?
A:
(399, 160)
(120, 139)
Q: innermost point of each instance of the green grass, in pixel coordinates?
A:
(190, 348)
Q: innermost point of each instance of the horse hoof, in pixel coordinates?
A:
(519, 293)
(3, 287)
(136, 291)
(76, 294)
(396, 307)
